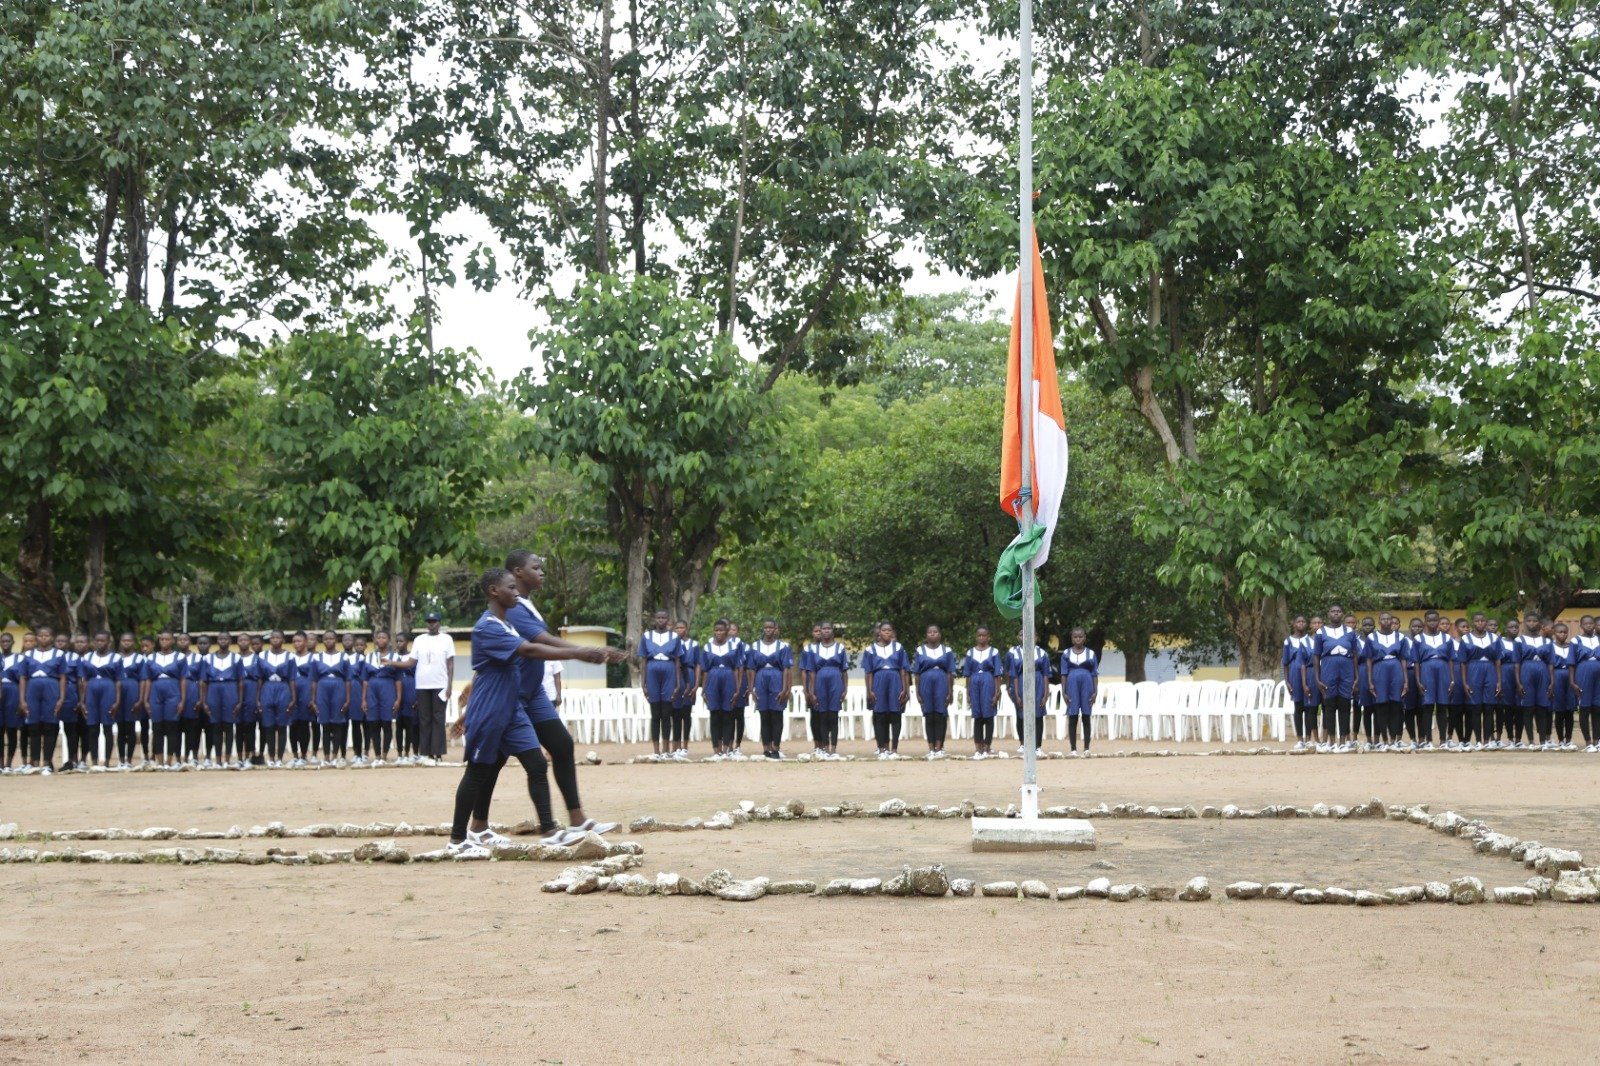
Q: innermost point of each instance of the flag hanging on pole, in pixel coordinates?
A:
(1042, 404)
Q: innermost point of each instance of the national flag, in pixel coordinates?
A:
(1040, 402)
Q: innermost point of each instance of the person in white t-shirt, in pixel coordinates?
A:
(435, 654)
(552, 682)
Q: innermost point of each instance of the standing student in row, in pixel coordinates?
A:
(888, 673)
(12, 720)
(1334, 649)
(771, 665)
(982, 667)
(43, 681)
(662, 653)
(275, 679)
(721, 664)
(1533, 678)
(1563, 686)
(935, 671)
(1296, 661)
(683, 699)
(1586, 678)
(1480, 678)
(1384, 661)
(1080, 685)
(1043, 675)
(826, 670)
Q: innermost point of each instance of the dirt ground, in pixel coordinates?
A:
(472, 963)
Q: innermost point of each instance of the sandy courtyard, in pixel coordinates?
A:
(472, 963)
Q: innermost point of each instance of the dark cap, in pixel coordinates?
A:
(433, 616)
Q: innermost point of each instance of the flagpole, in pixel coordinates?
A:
(1030, 773)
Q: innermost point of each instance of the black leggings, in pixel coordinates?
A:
(680, 727)
(1038, 733)
(1542, 719)
(335, 740)
(299, 738)
(1564, 726)
(74, 732)
(721, 730)
(358, 738)
(771, 728)
(1336, 716)
(404, 730)
(936, 725)
(886, 728)
(380, 738)
(557, 744)
(316, 735)
(1589, 722)
(662, 726)
(738, 726)
(41, 739)
(10, 744)
(983, 730)
(106, 739)
(1074, 723)
(533, 764)
(1390, 721)
(825, 730)
(128, 735)
(1305, 721)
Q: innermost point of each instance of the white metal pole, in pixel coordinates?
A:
(1030, 741)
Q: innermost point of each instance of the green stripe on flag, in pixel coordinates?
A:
(1008, 575)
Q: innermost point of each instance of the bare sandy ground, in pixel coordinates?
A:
(472, 963)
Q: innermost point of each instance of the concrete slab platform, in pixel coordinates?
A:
(1032, 834)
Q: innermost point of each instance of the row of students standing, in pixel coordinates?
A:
(172, 701)
(727, 674)
(1479, 684)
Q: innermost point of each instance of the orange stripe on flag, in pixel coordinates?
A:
(1042, 403)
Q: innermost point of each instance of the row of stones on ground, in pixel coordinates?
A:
(1160, 753)
(932, 882)
(592, 846)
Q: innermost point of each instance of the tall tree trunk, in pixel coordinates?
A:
(1258, 626)
(1135, 649)
(602, 143)
(32, 596)
(93, 612)
(694, 575)
(372, 602)
(636, 222)
(135, 233)
(108, 220)
(636, 553)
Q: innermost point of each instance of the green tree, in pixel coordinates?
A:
(99, 418)
(1517, 501)
(376, 456)
(1227, 242)
(658, 411)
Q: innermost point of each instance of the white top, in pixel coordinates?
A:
(432, 651)
(551, 669)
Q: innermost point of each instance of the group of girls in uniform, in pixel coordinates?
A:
(727, 674)
(176, 702)
(1478, 684)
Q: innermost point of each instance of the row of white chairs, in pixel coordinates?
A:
(1228, 711)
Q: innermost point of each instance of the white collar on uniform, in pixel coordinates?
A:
(988, 653)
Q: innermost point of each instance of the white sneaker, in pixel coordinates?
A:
(560, 838)
(591, 826)
(681, 755)
(1323, 749)
(45, 771)
(488, 839)
(466, 849)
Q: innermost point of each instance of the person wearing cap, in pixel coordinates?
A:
(435, 654)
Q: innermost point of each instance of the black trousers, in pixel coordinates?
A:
(983, 730)
(1074, 723)
(430, 723)
(558, 746)
(886, 728)
(771, 728)
(936, 725)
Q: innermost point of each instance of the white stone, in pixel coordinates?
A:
(791, 888)
(1198, 889)
(1551, 861)
(1070, 892)
(1405, 894)
(584, 885)
(1515, 894)
(720, 820)
(1466, 890)
(962, 886)
(668, 884)
(1574, 892)
(1342, 896)
(747, 805)
(1032, 834)
(1034, 890)
(1282, 889)
(999, 888)
(1365, 898)
(891, 808)
(1124, 893)
(839, 886)
(592, 758)
(1540, 886)
(865, 886)
(1308, 895)
(1436, 892)
(633, 885)
(1244, 890)
(1099, 888)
